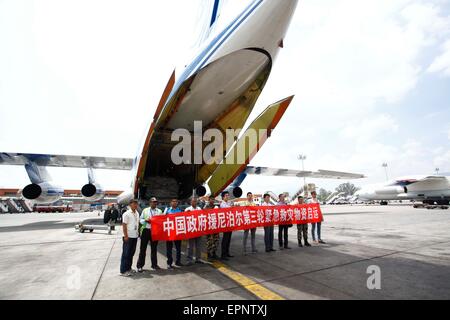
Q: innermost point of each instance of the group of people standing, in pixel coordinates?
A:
(137, 226)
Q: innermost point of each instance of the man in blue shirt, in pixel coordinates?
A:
(169, 244)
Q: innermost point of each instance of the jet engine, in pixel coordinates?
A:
(92, 192)
(42, 193)
(390, 191)
(235, 192)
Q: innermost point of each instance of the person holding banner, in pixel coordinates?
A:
(226, 238)
(268, 231)
(169, 244)
(302, 229)
(146, 236)
(316, 226)
(195, 243)
(212, 240)
(283, 236)
(250, 203)
(130, 225)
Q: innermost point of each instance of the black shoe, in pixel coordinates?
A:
(179, 264)
(307, 244)
(300, 245)
(322, 242)
(198, 262)
(156, 268)
(170, 267)
(287, 248)
(273, 250)
(224, 259)
(268, 251)
(230, 256)
(281, 248)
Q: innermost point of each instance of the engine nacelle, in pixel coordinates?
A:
(42, 193)
(92, 192)
(390, 191)
(125, 197)
(236, 192)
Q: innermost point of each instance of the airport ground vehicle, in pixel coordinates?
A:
(51, 209)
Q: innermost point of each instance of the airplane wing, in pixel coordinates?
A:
(21, 159)
(320, 174)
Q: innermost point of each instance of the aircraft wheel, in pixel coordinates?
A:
(92, 230)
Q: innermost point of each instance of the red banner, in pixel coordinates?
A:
(188, 225)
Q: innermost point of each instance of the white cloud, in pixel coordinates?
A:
(366, 130)
(442, 63)
(442, 161)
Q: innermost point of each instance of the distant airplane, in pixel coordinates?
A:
(219, 87)
(433, 189)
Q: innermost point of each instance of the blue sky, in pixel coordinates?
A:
(371, 79)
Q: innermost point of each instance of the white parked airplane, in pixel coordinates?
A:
(219, 87)
(429, 189)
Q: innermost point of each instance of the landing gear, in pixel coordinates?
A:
(383, 203)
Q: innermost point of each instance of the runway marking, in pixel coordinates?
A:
(258, 290)
(103, 270)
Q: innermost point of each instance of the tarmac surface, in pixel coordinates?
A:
(43, 257)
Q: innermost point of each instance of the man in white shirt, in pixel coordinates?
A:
(130, 225)
(316, 226)
(268, 231)
(226, 238)
(146, 236)
(195, 243)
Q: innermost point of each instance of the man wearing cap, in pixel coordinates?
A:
(130, 226)
(174, 209)
(146, 236)
(302, 229)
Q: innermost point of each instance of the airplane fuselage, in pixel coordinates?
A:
(219, 88)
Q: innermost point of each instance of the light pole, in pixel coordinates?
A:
(385, 166)
(302, 158)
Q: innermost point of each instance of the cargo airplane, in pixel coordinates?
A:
(431, 190)
(219, 87)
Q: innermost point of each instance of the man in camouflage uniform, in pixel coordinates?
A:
(250, 203)
(212, 240)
